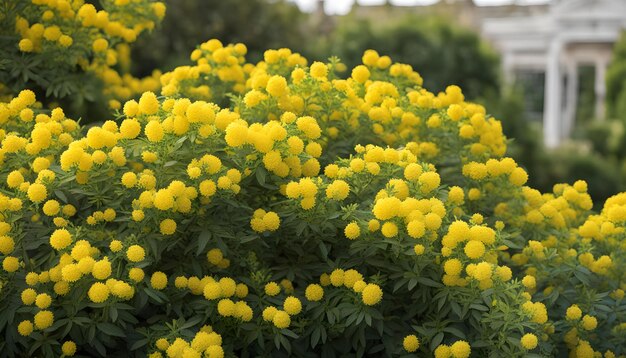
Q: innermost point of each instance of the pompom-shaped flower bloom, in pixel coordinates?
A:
(386, 208)
(167, 227)
(411, 343)
(314, 292)
(154, 131)
(281, 319)
(158, 281)
(10, 264)
(292, 305)
(98, 292)
(319, 70)
(389, 229)
(474, 249)
(573, 313)
(529, 341)
(338, 190)
(44, 319)
(37, 192)
(276, 86)
(429, 181)
(360, 74)
(101, 269)
(460, 349)
(212, 291)
(60, 239)
(25, 328)
(589, 322)
(68, 348)
(163, 199)
(135, 253)
(214, 256)
(271, 221)
(148, 103)
(529, 282)
(272, 289)
(371, 294)
(352, 230)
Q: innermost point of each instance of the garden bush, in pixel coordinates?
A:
(74, 52)
(274, 209)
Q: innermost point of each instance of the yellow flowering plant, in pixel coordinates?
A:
(280, 209)
(75, 51)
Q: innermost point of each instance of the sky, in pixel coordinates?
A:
(342, 7)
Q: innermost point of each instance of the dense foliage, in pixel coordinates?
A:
(74, 52)
(260, 24)
(616, 81)
(274, 208)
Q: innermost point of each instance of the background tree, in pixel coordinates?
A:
(260, 24)
(616, 81)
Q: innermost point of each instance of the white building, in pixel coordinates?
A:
(553, 45)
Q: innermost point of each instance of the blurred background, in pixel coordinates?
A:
(554, 72)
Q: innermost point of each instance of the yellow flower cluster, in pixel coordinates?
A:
(169, 207)
(97, 40)
(205, 343)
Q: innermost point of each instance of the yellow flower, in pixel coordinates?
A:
(167, 227)
(214, 256)
(460, 349)
(389, 229)
(474, 249)
(360, 74)
(271, 221)
(100, 45)
(411, 343)
(352, 230)
(529, 282)
(589, 322)
(60, 239)
(314, 292)
(319, 70)
(371, 294)
(529, 341)
(25, 328)
(14, 179)
(386, 208)
(272, 289)
(37, 192)
(281, 319)
(43, 319)
(135, 253)
(154, 131)
(573, 313)
(98, 292)
(292, 305)
(26, 45)
(136, 274)
(68, 348)
(429, 181)
(158, 281)
(101, 269)
(277, 86)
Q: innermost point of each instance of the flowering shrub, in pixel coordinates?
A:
(275, 209)
(73, 48)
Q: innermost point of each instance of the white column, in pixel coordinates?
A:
(552, 104)
(571, 99)
(600, 89)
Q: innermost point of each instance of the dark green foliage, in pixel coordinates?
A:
(260, 24)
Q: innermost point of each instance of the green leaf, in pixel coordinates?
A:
(111, 329)
(203, 240)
